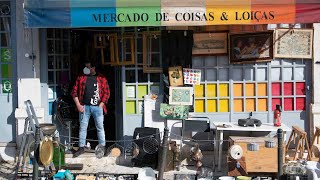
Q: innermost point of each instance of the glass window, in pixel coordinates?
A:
(276, 74)
(261, 74)
(211, 74)
(224, 74)
(142, 77)
(197, 62)
(211, 61)
(237, 74)
(130, 76)
(249, 74)
(58, 47)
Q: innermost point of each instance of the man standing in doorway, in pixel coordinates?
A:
(90, 94)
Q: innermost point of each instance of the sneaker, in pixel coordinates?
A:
(80, 151)
(99, 151)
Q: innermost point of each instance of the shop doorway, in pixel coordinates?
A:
(68, 50)
(82, 50)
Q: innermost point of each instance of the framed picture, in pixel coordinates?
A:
(174, 111)
(151, 52)
(175, 76)
(210, 43)
(125, 50)
(192, 76)
(251, 47)
(286, 45)
(180, 95)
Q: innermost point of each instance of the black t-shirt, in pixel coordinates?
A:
(91, 92)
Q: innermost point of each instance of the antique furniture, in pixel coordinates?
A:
(233, 126)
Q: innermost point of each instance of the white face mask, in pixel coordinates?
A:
(86, 71)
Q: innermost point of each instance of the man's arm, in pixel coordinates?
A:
(79, 106)
(74, 95)
(105, 92)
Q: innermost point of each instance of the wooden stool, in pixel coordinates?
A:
(302, 142)
(316, 136)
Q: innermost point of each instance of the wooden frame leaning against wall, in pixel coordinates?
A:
(149, 64)
(108, 47)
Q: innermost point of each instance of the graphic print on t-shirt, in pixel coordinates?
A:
(91, 93)
(95, 99)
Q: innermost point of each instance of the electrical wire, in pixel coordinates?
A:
(170, 133)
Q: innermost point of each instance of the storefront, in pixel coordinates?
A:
(8, 78)
(228, 91)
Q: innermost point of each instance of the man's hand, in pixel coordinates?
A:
(101, 105)
(80, 108)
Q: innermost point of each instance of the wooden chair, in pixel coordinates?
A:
(301, 145)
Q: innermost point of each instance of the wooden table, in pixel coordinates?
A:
(233, 126)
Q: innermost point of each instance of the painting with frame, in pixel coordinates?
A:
(210, 43)
(286, 46)
(180, 95)
(251, 47)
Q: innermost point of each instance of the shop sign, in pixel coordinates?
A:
(6, 86)
(123, 13)
(6, 55)
(172, 16)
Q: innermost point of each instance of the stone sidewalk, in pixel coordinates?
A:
(106, 165)
(111, 165)
(7, 170)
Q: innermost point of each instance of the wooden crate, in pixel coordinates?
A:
(263, 160)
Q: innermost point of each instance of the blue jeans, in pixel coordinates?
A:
(84, 117)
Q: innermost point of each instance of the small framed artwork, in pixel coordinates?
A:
(286, 45)
(175, 76)
(251, 47)
(180, 95)
(210, 43)
(192, 76)
(174, 111)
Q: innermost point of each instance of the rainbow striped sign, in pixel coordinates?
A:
(120, 13)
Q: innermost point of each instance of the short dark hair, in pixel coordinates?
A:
(93, 64)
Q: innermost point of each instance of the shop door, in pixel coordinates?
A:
(8, 98)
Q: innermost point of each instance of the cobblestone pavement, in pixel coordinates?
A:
(7, 170)
(91, 164)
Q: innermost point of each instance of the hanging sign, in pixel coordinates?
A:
(6, 86)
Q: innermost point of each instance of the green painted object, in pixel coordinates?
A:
(174, 111)
(58, 156)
